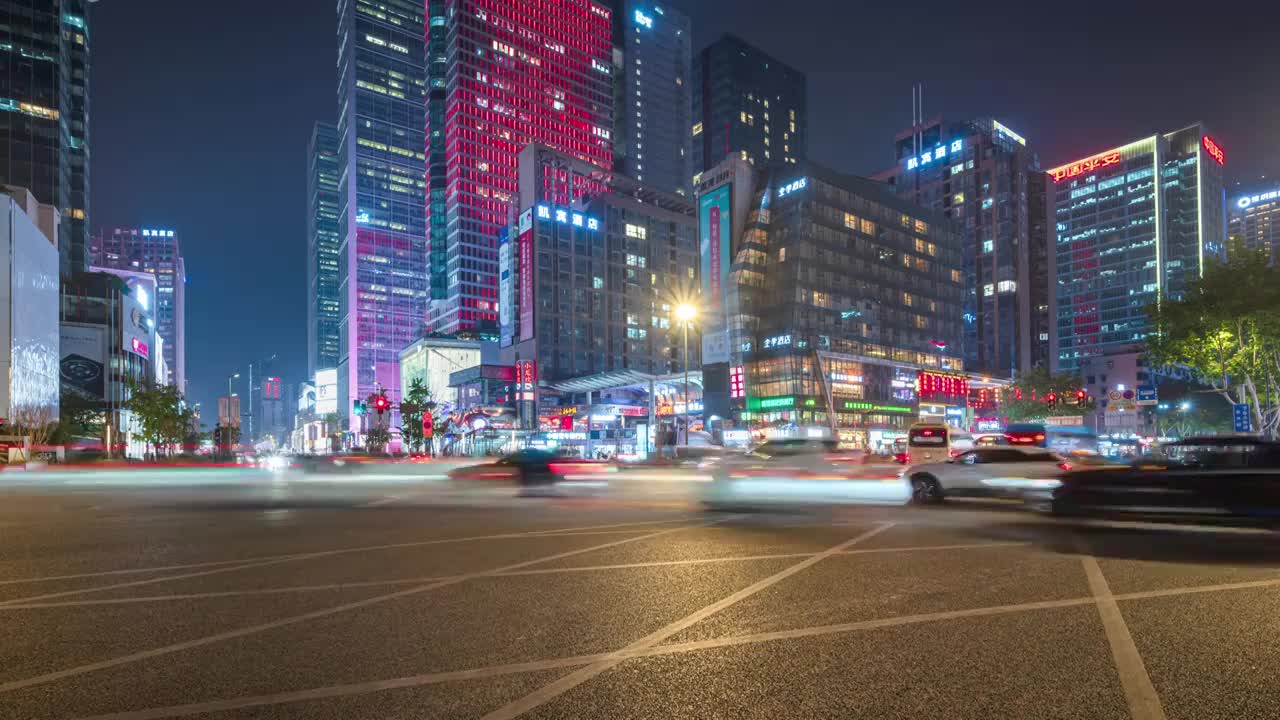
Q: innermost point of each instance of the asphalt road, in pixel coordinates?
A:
(128, 597)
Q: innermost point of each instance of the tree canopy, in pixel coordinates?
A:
(1027, 399)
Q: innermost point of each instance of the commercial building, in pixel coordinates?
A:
(1255, 222)
(144, 290)
(324, 307)
(986, 179)
(29, 343)
(432, 360)
(653, 61)
(272, 424)
(842, 296)
(158, 252)
(44, 114)
(1133, 224)
(748, 103)
(504, 74)
(590, 287)
(382, 253)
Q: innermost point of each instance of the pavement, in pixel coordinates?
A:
(246, 595)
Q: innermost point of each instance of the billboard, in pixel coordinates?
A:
(137, 326)
(506, 283)
(326, 391)
(715, 233)
(83, 361)
(526, 285)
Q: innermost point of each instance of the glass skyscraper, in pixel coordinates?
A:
(382, 254)
(504, 74)
(652, 104)
(323, 207)
(1133, 224)
(746, 102)
(44, 112)
(1255, 222)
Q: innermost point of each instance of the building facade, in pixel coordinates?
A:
(382, 258)
(432, 360)
(749, 103)
(504, 74)
(29, 342)
(157, 252)
(44, 118)
(653, 64)
(1255, 222)
(1133, 224)
(324, 307)
(842, 294)
(591, 287)
(987, 180)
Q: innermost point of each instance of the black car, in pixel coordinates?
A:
(1229, 479)
(529, 467)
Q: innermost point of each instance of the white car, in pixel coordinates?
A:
(803, 471)
(985, 472)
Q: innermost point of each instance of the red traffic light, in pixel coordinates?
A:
(381, 403)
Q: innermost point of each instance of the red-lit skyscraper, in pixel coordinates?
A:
(503, 74)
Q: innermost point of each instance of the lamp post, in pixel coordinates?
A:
(685, 313)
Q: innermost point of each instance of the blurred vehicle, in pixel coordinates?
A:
(986, 472)
(1059, 438)
(935, 443)
(527, 468)
(1209, 478)
(803, 471)
(990, 440)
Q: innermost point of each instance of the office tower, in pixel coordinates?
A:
(987, 180)
(746, 102)
(652, 96)
(590, 287)
(29, 303)
(323, 205)
(1255, 222)
(158, 252)
(44, 116)
(382, 270)
(1133, 224)
(504, 74)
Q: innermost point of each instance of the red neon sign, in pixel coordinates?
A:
(140, 347)
(1214, 150)
(1084, 166)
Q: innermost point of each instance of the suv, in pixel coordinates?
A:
(985, 472)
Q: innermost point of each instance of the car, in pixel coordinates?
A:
(986, 472)
(1225, 479)
(527, 468)
(803, 471)
(935, 442)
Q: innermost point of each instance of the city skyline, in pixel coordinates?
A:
(243, 206)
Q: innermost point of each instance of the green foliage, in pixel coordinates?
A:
(377, 438)
(416, 400)
(1025, 401)
(1226, 329)
(164, 417)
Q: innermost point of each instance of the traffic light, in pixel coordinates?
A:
(1051, 400)
(428, 425)
(358, 409)
(1082, 397)
(381, 404)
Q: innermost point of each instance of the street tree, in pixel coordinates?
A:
(1226, 329)
(162, 414)
(416, 401)
(1039, 394)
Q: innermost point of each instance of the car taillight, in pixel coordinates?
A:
(1064, 465)
(903, 458)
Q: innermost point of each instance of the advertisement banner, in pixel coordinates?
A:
(715, 230)
(526, 285)
(83, 361)
(506, 286)
(136, 328)
(326, 391)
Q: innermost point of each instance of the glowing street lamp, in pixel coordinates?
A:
(686, 313)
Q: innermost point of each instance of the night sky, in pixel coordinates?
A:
(201, 113)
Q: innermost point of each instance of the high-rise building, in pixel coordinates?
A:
(382, 254)
(504, 74)
(652, 103)
(44, 116)
(747, 102)
(158, 252)
(1133, 224)
(324, 309)
(29, 332)
(1255, 222)
(987, 180)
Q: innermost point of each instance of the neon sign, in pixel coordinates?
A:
(1214, 150)
(568, 217)
(1001, 129)
(1248, 200)
(737, 382)
(1085, 166)
(937, 153)
(140, 347)
(793, 186)
(645, 20)
(777, 341)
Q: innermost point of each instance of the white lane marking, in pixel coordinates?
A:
(555, 689)
(316, 614)
(361, 548)
(387, 500)
(656, 651)
(1139, 692)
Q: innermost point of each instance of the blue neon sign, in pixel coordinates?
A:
(793, 186)
(937, 153)
(568, 217)
(644, 20)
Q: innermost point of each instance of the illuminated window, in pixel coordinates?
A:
(988, 246)
(1007, 286)
(697, 129)
(851, 221)
(636, 231)
(597, 283)
(988, 290)
(922, 227)
(958, 199)
(868, 227)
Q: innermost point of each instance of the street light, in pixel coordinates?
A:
(686, 313)
(229, 379)
(1184, 406)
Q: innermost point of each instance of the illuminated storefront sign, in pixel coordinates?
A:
(526, 285)
(140, 347)
(1009, 133)
(568, 217)
(715, 239)
(1214, 150)
(1247, 200)
(157, 233)
(872, 407)
(737, 383)
(644, 20)
(777, 402)
(777, 341)
(936, 387)
(1085, 166)
(793, 186)
(937, 153)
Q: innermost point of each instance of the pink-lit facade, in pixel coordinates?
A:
(503, 74)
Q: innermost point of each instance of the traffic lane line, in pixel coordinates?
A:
(345, 607)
